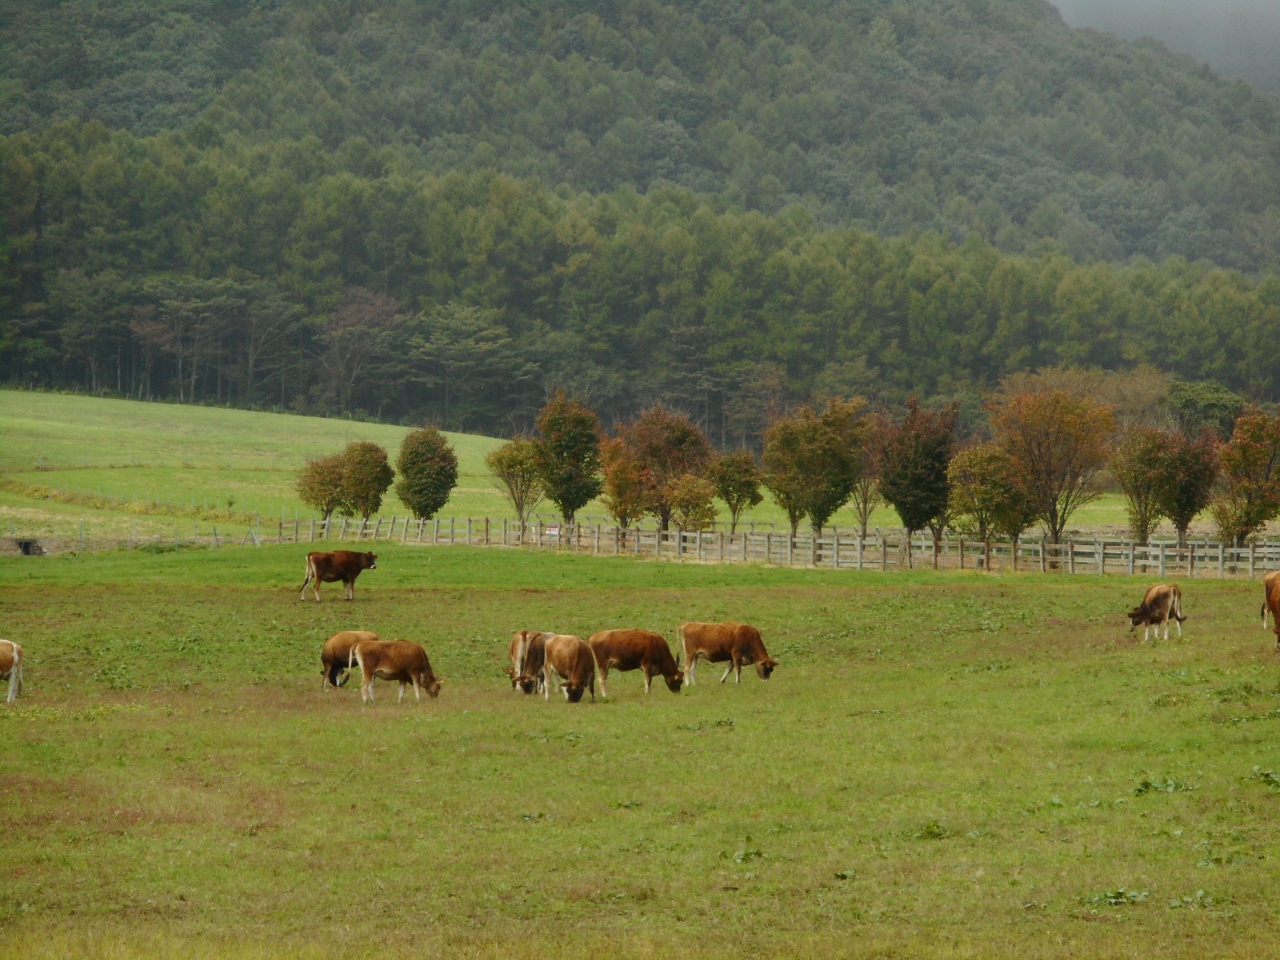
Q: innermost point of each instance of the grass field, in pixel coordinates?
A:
(184, 463)
(943, 765)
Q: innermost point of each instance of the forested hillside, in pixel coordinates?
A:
(443, 209)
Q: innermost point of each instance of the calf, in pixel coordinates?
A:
(397, 660)
(527, 652)
(11, 668)
(737, 643)
(1162, 603)
(1271, 602)
(568, 661)
(344, 565)
(335, 658)
(635, 650)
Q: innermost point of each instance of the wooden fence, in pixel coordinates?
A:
(835, 549)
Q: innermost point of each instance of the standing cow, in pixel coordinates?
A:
(737, 643)
(335, 657)
(527, 654)
(635, 650)
(1162, 603)
(1271, 602)
(397, 660)
(11, 668)
(570, 663)
(344, 565)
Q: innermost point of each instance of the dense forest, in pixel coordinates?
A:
(443, 210)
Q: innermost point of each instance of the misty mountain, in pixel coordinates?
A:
(1239, 38)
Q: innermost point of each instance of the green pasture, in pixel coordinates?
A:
(185, 464)
(945, 765)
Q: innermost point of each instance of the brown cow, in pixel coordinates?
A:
(1271, 602)
(394, 660)
(737, 643)
(569, 662)
(635, 650)
(1160, 604)
(11, 668)
(527, 656)
(335, 658)
(344, 565)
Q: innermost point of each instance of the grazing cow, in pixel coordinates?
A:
(344, 565)
(394, 660)
(568, 661)
(11, 668)
(1271, 602)
(1162, 603)
(335, 658)
(635, 650)
(527, 656)
(737, 643)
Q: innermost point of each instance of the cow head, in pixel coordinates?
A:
(765, 667)
(431, 685)
(1137, 617)
(675, 681)
(573, 690)
(525, 682)
(369, 560)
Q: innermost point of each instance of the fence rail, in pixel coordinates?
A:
(834, 549)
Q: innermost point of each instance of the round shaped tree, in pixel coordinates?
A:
(428, 472)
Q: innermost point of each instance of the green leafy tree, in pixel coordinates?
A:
(692, 502)
(811, 461)
(1190, 470)
(914, 457)
(982, 485)
(514, 466)
(366, 477)
(1204, 406)
(1250, 479)
(736, 480)
(567, 454)
(319, 483)
(428, 469)
(1058, 443)
(1140, 464)
(866, 496)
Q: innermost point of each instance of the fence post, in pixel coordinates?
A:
(1251, 546)
(213, 541)
(791, 548)
(858, 542)
(1040, 551)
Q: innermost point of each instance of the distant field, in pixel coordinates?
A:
(943, 765)
(189, 462)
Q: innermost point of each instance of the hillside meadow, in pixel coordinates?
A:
(65, 459)
(944, 765)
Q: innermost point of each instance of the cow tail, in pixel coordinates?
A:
(1177, 603)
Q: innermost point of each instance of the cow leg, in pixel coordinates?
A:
(604, 674)
(417, 689)
(727, 671)
(546, 682)
(1178, 624)
(366, 690)
(1166, 628)
(307, 580)
(648, 680)
(400, 699)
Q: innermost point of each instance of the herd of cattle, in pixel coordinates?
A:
(542, 661)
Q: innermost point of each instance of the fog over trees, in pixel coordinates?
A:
(1239, 38)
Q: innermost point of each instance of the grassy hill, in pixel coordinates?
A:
(186, 462)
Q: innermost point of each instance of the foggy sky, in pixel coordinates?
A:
(1240, 38)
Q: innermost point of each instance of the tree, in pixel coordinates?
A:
(866, 488)
(982, 485)
(736, 480)
(366, 476)
(1250, 494)
(1058, 444)
(1204, 406)
(1141, 464)
(692, 502)
(625, 483)
(356, 337)
(668, 445)
(914, 456)
(567, 454)
(428, 469)
(514, 466)
(811, 461)
(1190, 470)
(319, 483)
